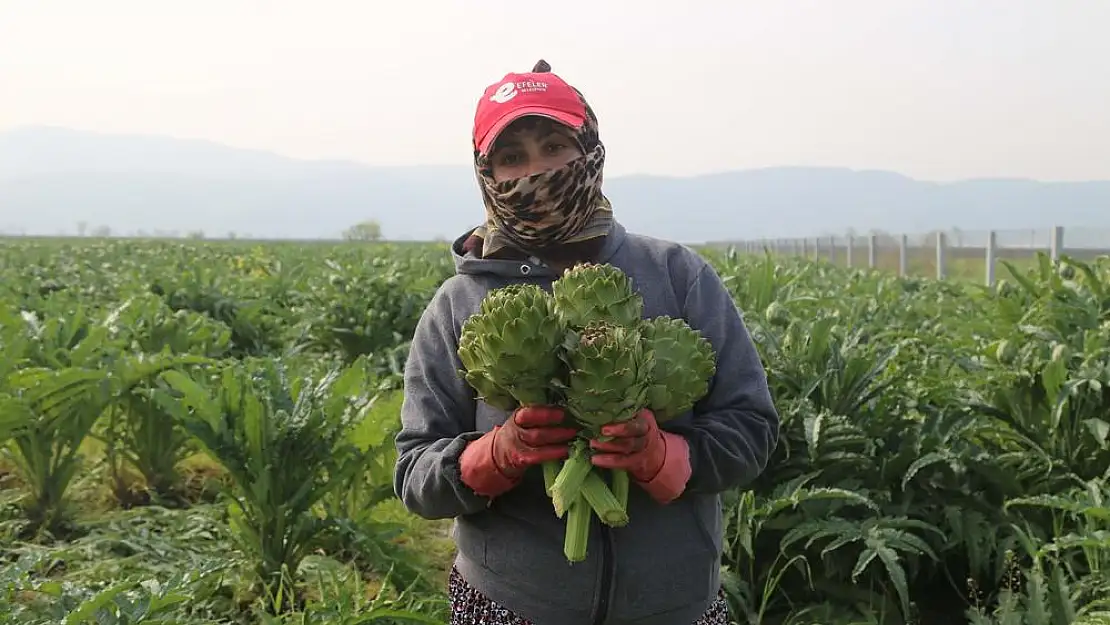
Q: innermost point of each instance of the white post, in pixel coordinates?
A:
(872, 251)
(940, 256)
(1057, 243)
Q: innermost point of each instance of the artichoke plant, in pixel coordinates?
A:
(510, 347)
(592, 292)
(589, 293)
(609, 374)
(683, 365)
(510, 352)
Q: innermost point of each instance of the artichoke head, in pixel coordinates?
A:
(609, 372)
(684, 363)
(591, 292)
(510, 348)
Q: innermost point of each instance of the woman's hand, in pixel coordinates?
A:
(532, 435)
(637, 446)
(659, 461)
(496, 461)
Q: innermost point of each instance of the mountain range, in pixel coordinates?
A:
(53, 179)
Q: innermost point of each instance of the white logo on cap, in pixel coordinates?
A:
(504, 93)
(509, 90)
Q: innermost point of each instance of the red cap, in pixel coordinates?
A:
(517, 95)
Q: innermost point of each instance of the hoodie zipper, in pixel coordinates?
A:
(602, 611)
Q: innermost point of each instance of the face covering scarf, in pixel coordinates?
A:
(547, 209)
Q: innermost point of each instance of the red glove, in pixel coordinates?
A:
(658, 460)
(494, 463)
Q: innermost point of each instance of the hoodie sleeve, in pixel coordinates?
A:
(735, 427)
(437, 421)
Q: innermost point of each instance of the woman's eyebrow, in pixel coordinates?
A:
(505, 143)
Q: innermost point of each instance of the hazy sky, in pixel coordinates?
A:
(937, 89)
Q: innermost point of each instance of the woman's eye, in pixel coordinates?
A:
(555, 147)
(508, 159)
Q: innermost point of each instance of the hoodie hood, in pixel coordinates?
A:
(472, 263)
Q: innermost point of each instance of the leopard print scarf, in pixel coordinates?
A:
(548, 209)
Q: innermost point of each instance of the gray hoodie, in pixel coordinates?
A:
(663, 567)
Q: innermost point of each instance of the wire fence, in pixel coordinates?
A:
(942, 254)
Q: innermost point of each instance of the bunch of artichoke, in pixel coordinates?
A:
(587, 348)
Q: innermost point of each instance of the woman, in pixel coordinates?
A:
(539, 163)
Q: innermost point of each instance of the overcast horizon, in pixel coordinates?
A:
(937, 90)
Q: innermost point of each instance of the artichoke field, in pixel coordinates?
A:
(199, 432)
(194, 434)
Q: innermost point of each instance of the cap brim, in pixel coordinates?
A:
(563, 117)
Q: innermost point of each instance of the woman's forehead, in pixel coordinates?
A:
(531, 127)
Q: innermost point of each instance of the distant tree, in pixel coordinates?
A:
(369, 230)
(102, 232)
(82, 228)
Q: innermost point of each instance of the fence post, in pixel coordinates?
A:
(903, 243)
(832, 249)
(1057, 246)
(872, 251)
(941, 273)
(848, 254)
(805, 248)
(992, 243)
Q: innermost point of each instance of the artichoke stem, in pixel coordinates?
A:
(620, 487)
(577, 534)
(550, 472)
(568, 483)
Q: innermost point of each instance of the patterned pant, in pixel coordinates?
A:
(470, 607)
